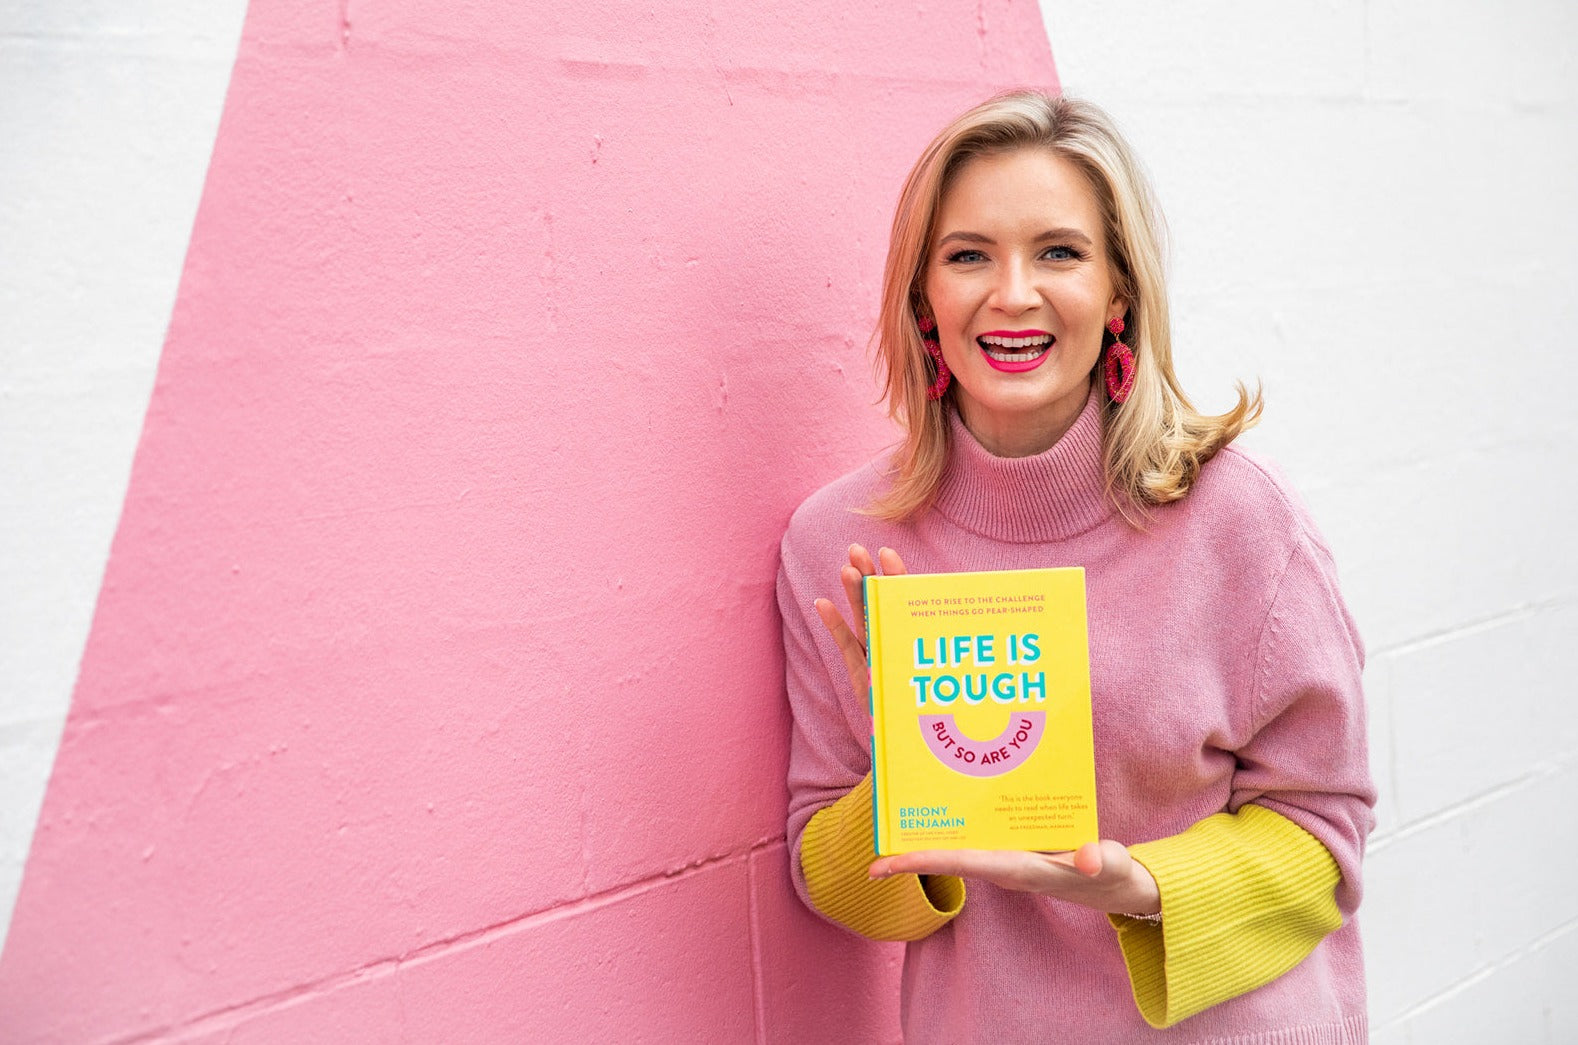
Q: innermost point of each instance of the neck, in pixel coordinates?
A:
(1048, 496)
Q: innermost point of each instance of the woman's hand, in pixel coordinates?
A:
(1099, 874)
(852, 640)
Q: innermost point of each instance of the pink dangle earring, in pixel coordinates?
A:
(928, 333)
(1119, 367)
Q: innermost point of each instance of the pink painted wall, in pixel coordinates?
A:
(433, 691)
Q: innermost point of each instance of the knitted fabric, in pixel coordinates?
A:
(1225, 671)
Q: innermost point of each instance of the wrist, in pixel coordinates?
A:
(1147, 895)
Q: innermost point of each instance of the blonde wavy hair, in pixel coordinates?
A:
(1155, 442)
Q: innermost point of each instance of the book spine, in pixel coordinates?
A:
(868, 593)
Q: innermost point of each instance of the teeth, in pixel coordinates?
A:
(1039, 340)
(994, 346)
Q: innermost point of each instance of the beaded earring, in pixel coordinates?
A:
(1119, 367)
(928, 333)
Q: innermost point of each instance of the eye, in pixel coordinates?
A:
(965, 257)
(1063, 253)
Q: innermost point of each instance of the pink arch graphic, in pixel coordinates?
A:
(983, 758)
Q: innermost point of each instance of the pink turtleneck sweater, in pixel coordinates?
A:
(1225, 670)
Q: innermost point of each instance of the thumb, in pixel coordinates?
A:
(1087, 861)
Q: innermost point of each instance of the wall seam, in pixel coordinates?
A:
(1487, 971)
(1452, 812)
(753, 929)
(1522, 611)
(229, 1016)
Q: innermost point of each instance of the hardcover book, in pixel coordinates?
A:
(980, 711)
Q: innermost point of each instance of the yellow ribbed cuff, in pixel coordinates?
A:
(836, 851)
(1245, 898)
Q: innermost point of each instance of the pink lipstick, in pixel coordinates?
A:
(1015, 351)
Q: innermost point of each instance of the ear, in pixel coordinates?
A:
(1118, 306)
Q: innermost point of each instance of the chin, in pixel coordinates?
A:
(1028, 403)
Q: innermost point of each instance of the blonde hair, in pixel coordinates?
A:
(1155, 442)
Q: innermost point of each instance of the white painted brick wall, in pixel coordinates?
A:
(107, 117)
(1373, 210)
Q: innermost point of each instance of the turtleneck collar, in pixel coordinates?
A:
(1053, 495)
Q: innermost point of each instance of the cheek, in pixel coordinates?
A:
(953, 306)
(937, 297)
(1088, 297)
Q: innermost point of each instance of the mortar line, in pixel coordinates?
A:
(228, 1016)
(1547, 938)
(1472, 627)
(1441, 816)
(1486, 971)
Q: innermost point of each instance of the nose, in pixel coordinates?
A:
(1015, 292)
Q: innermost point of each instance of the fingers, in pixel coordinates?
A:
(853, 581)
(851, 635)
(1100, 875)
(1009, 868)
(860, 559)
(853, 652)
(853, 578)
(927, 861)
(892, 565)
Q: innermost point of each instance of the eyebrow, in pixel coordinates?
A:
(1049, 234)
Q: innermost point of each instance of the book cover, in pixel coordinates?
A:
(980, 711)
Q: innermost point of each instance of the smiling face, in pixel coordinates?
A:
(1019, 282)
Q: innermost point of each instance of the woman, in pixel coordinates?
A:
(1025, 344)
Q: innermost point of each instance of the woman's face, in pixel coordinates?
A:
(1021, 288)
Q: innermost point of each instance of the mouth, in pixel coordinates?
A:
(1016, 351)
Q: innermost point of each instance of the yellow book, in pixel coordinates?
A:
(980, 711)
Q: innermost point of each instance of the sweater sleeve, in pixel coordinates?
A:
(830, 812)
(1247, 894)
(835, 853)
(1307, 756)
(1245, 898)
